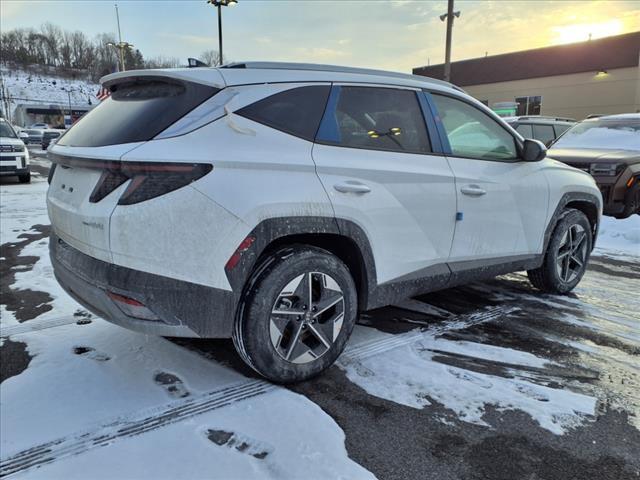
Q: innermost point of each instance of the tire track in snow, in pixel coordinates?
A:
(151, 419)
(373, 347)
(126, 427)
(37, 324)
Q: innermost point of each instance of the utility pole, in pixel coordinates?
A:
(120, 46)
(120, 40)
(447, 58)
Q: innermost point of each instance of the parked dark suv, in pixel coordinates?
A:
(607, 147)
(48, 136)
(545, 129)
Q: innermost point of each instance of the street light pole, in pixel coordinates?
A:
(220, 32)
(447, 57)
(219, 4)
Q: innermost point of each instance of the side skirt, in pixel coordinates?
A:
(447, 275)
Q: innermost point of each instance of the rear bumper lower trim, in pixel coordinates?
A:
(185, 309)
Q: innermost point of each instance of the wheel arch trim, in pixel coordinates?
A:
(587, 203)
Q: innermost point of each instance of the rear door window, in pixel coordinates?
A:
(544, 133)
(297, 111)
(136, 111)
(376, 119)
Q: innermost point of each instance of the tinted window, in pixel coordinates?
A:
(544, 133)
(135, 112)
(297, 111)
(525, 130)
(376, 119)
(561, 128)
(472, 133)
(6, 130)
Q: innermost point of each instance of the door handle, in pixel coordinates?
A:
(473, 190)
(351, 187)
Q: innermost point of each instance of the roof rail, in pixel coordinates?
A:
(335, 68)
(546, 117)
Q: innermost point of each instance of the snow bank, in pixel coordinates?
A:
(26, 87)
(620, 237)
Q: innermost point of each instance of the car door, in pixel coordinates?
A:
(373, 155)
(502, 201)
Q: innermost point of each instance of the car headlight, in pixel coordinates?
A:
(607, 169)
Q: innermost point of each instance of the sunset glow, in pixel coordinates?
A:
(583, 31)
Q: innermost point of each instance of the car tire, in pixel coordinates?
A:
(567, 254)
(632, 202)
(286, 331)
(26, 178)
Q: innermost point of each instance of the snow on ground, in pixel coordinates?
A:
(63, 393)
(619, 237)
(409, 375)
(21, 207)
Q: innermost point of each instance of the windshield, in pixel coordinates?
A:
(608, 134)
(6, 130)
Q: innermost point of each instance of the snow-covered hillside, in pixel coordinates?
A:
(24, 87)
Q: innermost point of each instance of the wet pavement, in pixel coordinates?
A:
(493, 380)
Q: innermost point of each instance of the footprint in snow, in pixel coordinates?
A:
(172, 384)
(239, 442)
(532, 393)
(91, 353)
(468, 377)
(84, 317)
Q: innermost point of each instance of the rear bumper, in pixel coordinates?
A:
(9, 170)
(185, 309)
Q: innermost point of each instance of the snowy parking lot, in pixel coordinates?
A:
(491, 380)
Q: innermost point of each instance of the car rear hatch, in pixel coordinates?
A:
(89, 179)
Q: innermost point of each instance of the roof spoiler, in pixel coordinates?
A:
(204, 76)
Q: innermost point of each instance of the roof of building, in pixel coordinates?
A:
(619, 51)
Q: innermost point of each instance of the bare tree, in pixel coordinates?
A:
(162, 62)
(211, 58)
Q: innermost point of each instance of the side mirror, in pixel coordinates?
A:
(23, 135)
(533, 150)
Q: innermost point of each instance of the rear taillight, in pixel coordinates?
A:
(157, 179)
(147, 180)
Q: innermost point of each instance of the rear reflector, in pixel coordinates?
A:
(243, 247)
(132, 307)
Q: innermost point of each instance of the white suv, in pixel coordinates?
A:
(271, 202)
(14, 156)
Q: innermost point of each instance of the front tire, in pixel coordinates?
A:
(296, 315)
(567, 255)
(632, 202)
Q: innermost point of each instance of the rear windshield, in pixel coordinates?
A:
(135, 112)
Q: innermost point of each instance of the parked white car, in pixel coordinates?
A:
(14, 156)
(271, 202)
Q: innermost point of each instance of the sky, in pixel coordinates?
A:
(389, 34)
